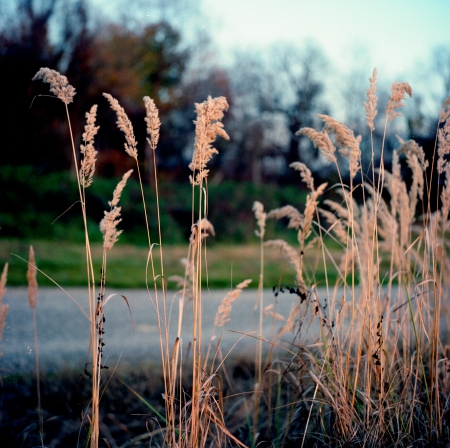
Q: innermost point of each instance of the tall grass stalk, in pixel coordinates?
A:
(32, 300)
(371, 345)
(365, 364)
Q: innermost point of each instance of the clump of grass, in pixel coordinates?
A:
(363, 365)
(372, 348)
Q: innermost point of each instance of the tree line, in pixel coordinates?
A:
(271, 96)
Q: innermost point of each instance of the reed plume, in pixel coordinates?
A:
(261, 216)
(223, 313)
(321, 141)
(398, 91)
(371, 105)
(59, 84)
(305, 173)
(87, 168)
(124, 124)
(288, 211)
(290, 255)
(108, 225)
(153, 122)
(207, 127)
(345, 138)
(32, 282)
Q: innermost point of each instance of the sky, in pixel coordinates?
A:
(395, 35)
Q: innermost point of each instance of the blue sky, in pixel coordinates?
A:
(396, 35)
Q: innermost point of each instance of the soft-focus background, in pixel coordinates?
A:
(277, 63)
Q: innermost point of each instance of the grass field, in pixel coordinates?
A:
(226, 265)
(366, 365)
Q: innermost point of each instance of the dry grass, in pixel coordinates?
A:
(364, 363)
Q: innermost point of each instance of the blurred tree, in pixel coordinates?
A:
(440, 64)
(273, 97)
(133, 63)
(300, 94)
(200, 83)
(33, 35)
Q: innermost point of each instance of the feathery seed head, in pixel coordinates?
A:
(108, 225)
(207, 127)
(222, 315)
(349, 144)
(305, 173)
(87, 169)
(59, 85)
(260, 216)
(152, 120)
(321, 141)
(291, 256)
(119, 188)
(310, 210)
(3, 312)
(202, 227)
(31, 277)
(398, 90)
(371, 105)
(445, 111)
(124, 124)
(288, 211)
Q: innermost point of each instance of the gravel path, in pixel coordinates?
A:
(63, 329)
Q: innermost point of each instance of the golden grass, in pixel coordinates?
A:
(365, 363)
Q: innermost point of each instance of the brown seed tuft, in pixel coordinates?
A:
(59, 85)
(398, 90)
(260, 216)
(223, 313)
(32, 282)
(305, 173)
(207, 127)
(124, 124)
(371, 105)
(153, 122)
(87, 169)
(108, 225)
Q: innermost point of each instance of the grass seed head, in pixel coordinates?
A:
(59, 85)
(223, 313)
(124, 124)
(108, 225)
(371, 105)
(398, 91)
(207, 127)
(321, 141)
(305, 173)
(152, 120)
(345, 138)
(260, 216)
(31, 277)
(87, 169)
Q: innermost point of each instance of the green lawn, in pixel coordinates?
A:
(225, 265)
